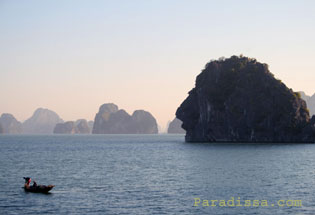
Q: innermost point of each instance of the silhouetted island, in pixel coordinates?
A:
(239, 100)
(9, 125)
(42, 121)
(175, 127)
(111, 120)
(78, 127)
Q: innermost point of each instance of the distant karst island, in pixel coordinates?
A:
(175, 127)
(9, 125)
(310, 101)
(42, 121)
(238, 100)
(80, 126)
(111, 120)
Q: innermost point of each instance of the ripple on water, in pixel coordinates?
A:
(151, 174)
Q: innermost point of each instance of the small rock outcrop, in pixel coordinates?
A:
(9, 125)
(43, 121)
(111, 120)
(65, 128)
(82, 126)
(175, 127)
(239, 100)
(1, 129)
(70, 127)
(310, 101)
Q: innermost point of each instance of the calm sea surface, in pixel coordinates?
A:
(152, 174)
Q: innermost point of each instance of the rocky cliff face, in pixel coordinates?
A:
(310, 101)
(175, 127)
(43, 121)
(111, 120)
(9, 124)
(239, 100)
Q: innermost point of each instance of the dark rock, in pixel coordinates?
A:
(1, 129)
(65, 128)
(111, 120)
(9, 124)
(43, 121)
(175, 127)
(239, 100)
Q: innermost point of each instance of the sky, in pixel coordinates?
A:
(73, 56)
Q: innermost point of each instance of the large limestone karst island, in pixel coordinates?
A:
(111, 120)
(239, 100)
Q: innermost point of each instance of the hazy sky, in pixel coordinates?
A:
(73, 56)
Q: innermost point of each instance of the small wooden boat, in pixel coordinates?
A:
(36, 188)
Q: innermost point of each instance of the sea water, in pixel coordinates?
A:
(153, 174)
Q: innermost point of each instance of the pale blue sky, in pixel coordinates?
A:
(72, 56)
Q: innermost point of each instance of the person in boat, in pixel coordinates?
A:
(36, 188)
(27, 181)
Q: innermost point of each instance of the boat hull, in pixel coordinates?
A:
(39, 189)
